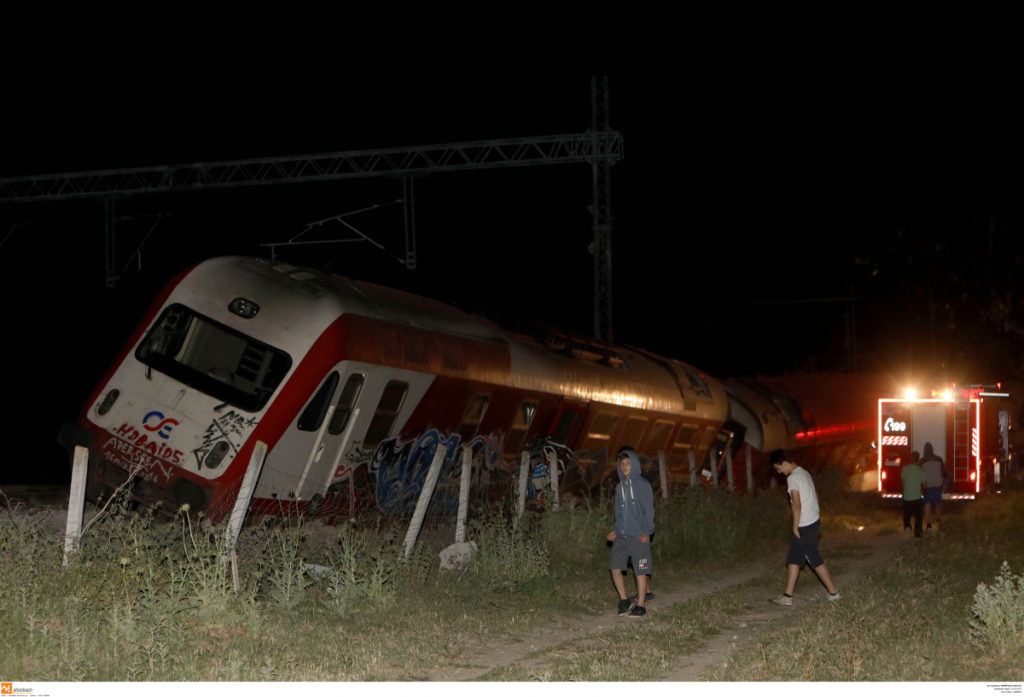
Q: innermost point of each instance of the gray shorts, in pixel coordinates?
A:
(626, 548)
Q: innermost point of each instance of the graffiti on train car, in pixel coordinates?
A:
(134, 459)
(399, 469)
(153, 448)
(225, 433)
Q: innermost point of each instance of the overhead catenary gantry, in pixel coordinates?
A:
(600, 147)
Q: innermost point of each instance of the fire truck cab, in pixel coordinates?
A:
(963, 426)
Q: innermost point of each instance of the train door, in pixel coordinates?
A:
(325, 457)
(356, 406)
(301, 446)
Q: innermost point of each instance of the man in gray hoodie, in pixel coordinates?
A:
(631, 536)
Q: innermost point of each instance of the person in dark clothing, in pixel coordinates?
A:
(631, 536)
(935, 475)
(913, 495)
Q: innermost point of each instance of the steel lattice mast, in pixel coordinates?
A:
(600, 147)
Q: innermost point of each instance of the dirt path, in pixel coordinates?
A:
(714, 652)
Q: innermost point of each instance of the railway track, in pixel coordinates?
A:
(33, 495)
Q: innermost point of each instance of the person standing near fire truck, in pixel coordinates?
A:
(935, 478)
(914, 479)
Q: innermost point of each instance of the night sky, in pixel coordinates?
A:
(745, 204)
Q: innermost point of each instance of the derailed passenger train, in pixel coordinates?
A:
(353, 387)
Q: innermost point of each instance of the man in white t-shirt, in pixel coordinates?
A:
(806, 526)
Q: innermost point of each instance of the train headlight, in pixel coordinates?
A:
(214, 457)
(243, 307)
(108, 401)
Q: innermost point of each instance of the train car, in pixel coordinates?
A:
(825, 418)
(967, 427)
(353, 386)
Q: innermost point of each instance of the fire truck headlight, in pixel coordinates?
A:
(910, 393)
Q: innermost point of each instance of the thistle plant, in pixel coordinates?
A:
(998, 613)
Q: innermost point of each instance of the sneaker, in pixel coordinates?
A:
(624, 606)
(647, 598)
(783, 600)
(832, 598)
(638, 611)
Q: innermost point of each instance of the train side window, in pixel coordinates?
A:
(686, 436)
(387, 411)
(313, 415)
(600, 431)
(566, 425)
(520, 425)
(632, 432)
(660, 434)
(473, 415)
(347, 400)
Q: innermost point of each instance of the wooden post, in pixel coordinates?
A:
(252, 475)
(750, 470)
(728, 465)
(664, 474)
(425, 493)
(524, 470)
(553, 469)
(467, 467)
(352, 494)
(76, 502)
(693, 468)
(523, 474)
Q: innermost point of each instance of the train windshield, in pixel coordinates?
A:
(213, 358)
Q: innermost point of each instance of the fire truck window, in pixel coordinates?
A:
(313, 415)
(472, 417)
(347, 400)
(387, 411)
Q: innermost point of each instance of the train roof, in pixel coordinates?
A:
(575, 367)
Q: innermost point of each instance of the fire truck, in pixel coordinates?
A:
(967, 427)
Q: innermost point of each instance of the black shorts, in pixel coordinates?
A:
(805, 547)
(626, 548)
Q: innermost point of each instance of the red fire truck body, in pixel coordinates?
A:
(962, 427)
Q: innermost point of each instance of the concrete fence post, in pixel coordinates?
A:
(76, 502)
(425, 493)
